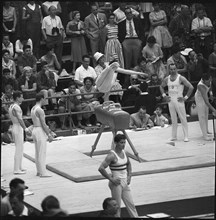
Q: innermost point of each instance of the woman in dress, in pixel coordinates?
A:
(33, 16)
(75, 29)
(153, 54)
(158, 29)
(9, 20)
(113, 45)
(203, 105)
(88, 102)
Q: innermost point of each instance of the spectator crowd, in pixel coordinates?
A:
(142, 37)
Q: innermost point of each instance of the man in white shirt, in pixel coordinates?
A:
(202, 27)
(120, 14)
(6, 44)
(84, 71)
(53, 32)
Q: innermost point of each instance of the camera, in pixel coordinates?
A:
(55, 30)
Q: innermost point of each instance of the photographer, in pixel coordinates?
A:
(53, 32)
(202, 27)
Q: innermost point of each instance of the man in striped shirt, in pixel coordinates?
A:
(120, 178)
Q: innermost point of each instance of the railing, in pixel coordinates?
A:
(70, 113)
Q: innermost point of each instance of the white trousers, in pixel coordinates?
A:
(17, 132)
(175, 108)
(48, 93)
(202, 110)
(122, 191)
(40, 140)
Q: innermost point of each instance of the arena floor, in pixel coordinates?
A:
(167, 173)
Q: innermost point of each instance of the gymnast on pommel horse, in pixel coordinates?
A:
(111, 114)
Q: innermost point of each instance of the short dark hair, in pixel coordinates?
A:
(24, 37)
(119, 137)
(106, 202)
(39, 96)
(43, 63)
(175, 49)
(16, 94)
(143, 107)
(159, 106)
(15, 182)
(6, 70)
(85, 56)
(26, 47)
(49, 47)
(111, 14)
(88, 78)
(50, 202)
(5, 51)
(72, 83)
(140, 59)
(205, 76)
(127, 8)
(151, 39)
(19, 195)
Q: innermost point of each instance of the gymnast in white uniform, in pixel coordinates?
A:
(203, 105)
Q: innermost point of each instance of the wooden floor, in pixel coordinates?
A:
(152, 145)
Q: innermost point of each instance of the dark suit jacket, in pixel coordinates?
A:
(138, 28)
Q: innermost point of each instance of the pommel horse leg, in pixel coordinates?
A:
(97, 139)
(131, 145)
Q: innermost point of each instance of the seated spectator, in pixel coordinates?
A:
(142, 67)
(20, 43)
(7, 97)
(202, 27)
(84, 71)
(74, 104)
(153, 54)
(16, 185)
(46, 5)
(110, 208)
(7, 45)
(132, 93)
(154, 87)
(7, 79)
(27, 59)
(88, 102)
(52, 61)
(178, 59)
(196, 67)
(46, 84)
(141, 119)
(212, 67)
(158, 118)
(75, 30)
(51, 207)
(181, 25)
(7, 63)
(28, 86)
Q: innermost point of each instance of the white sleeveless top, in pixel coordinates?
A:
(35, 119)
(175, 88)
(198, 93)
(119, 169)
(13, 118)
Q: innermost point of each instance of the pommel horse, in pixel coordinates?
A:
(111, 114)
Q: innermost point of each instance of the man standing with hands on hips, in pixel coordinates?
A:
(15, 113)
(120, 179)
(176, 83)
(39, 135)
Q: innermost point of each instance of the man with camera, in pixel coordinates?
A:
(53, 32)
(202, 27)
